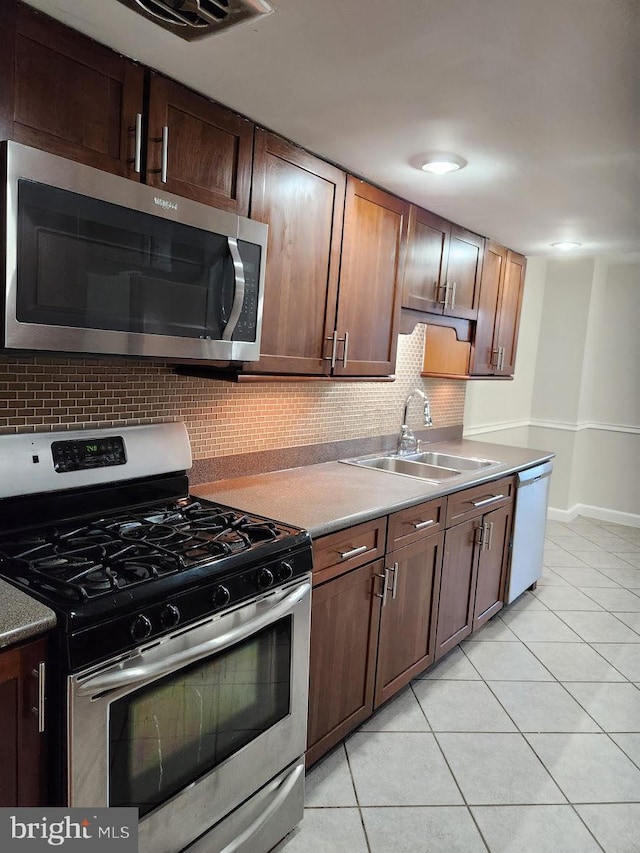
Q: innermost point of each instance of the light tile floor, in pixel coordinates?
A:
(525, 739)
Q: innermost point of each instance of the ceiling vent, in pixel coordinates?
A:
(194, 19)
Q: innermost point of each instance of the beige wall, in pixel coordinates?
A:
(222, 418)
(581, 344)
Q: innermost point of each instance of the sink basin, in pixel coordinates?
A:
(444, 460)
(429, 465)
(409, 467)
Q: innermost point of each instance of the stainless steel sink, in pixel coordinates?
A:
(406, 466)
(445, 460)
(429, 465)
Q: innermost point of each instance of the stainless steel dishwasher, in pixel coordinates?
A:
(532, 497)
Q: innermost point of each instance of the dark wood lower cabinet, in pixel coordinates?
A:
(23, 779)
(345, 615)
(377, 626)
(457, 585)
(407, 622)
(492, 564)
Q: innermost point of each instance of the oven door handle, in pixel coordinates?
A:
(133, 672)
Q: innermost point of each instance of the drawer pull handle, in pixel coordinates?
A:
(486, 500)
(420, 525)
(346, 555)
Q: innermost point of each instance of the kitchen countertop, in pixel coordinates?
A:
(22, 617)
(320, 498)
(330, 496)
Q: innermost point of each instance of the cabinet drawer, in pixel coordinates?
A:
(479, 499)
(416, 522)
(339, 552)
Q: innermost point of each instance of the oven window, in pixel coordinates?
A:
(166, 735)
(89, 264)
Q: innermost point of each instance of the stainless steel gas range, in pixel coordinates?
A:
(181, 673)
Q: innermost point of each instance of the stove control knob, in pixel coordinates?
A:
(285, 571)
(169, 616)
(220, 596)
(264, 579)
(140, 628)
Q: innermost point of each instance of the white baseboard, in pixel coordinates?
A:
(630, 519)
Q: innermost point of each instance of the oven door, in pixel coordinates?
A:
(188, 728)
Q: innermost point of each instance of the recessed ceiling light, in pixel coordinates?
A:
(566, 246)
(440, 164)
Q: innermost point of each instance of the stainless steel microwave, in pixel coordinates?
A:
(98, 264)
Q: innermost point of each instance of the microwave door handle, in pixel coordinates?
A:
(238, 297)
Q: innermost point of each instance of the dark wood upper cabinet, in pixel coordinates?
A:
(444, 263)
(464, 269)
(301, 198)
(427, 253)
(66, 94)
(494, 349)
(23, 778)
(508, 322)
(207, 149)
(372, 269)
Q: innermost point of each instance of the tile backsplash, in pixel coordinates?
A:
(39, 393)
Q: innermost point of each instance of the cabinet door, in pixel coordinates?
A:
(509, 312)
(372, 268)
(208, 148)
(301, 198)
(427, 253)
(457, 586)
(492, 564)
(464, 269)
(67, 94)
(407, 619)
(22, 746)
(345, 616)
(485, 348)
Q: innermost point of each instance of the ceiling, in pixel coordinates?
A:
(541, 97)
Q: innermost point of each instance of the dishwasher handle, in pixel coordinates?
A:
(533, 475)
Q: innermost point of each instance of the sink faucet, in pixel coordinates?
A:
(407, 442)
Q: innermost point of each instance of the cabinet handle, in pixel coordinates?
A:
(453, 295)
(445, 301)
(495, 358)
(137, 145)
(486, 500)
(478, 535)
(346, 555)
(346, 349)
(420, 525)
(486, 539)
(394, 585)
(165, 154)
(438, 288)
(501, 359)
(334, 350)
(383, 594)
(39, 673)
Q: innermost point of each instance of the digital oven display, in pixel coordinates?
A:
(91, 453)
